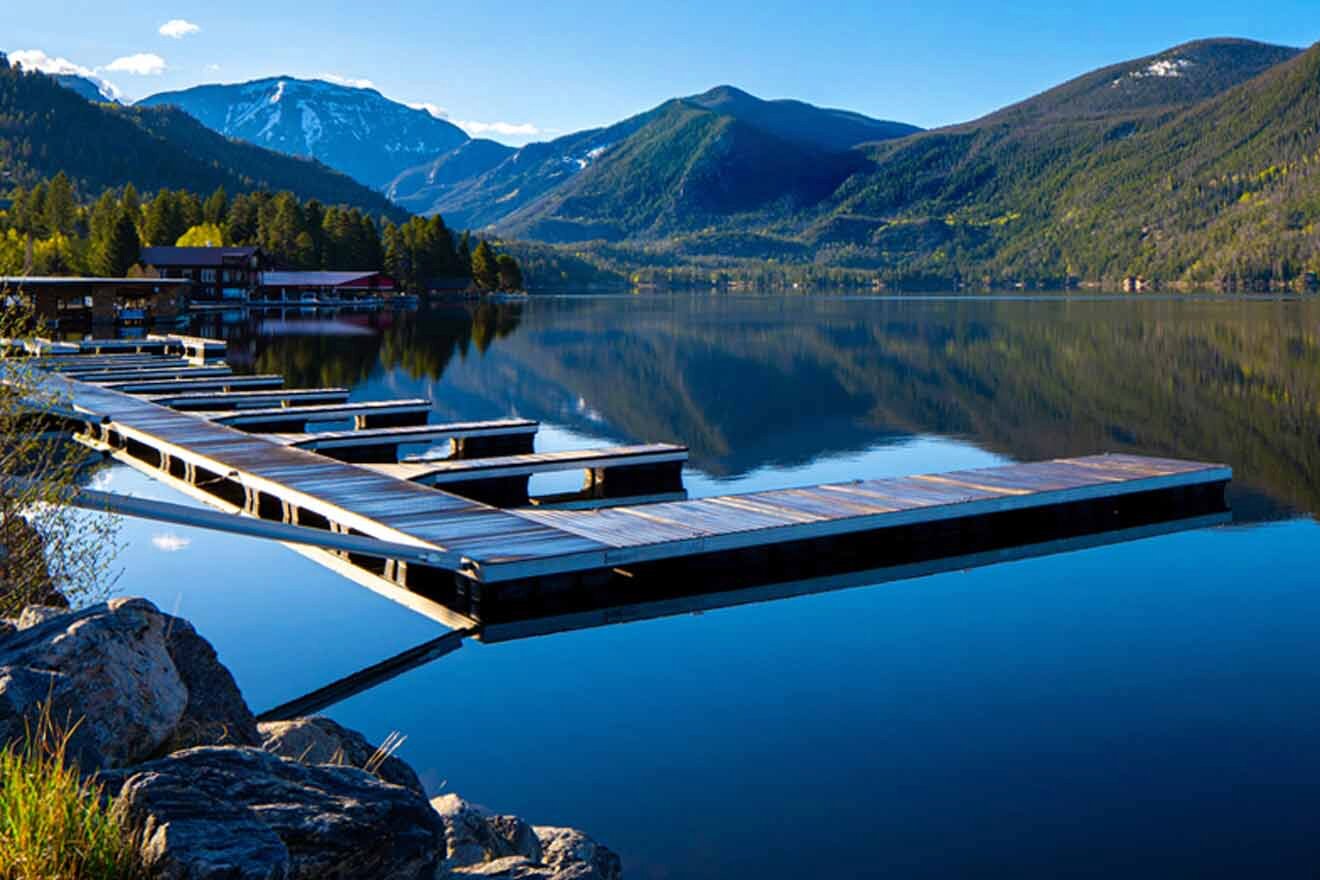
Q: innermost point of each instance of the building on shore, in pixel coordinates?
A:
(72, 303)
(228, 275)
(325, 288)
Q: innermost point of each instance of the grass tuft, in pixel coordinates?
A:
(53, 824)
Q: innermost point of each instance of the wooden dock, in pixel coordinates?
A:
(510, 557)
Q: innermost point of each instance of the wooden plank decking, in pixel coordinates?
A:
(221, 383)
(226, 400)
(436, 473)
(368, 414)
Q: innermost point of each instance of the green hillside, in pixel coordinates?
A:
(1083, 183)
(687, 168)
(720, 158)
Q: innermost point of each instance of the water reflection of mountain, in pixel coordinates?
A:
(780, 381)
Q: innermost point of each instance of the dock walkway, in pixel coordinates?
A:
(270, 477)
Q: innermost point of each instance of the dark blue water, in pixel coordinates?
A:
(1148, 708)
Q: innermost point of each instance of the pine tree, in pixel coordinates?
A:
(242, 221)
(60, 210)
(132, 205)
(509, 273)
(373, 253)
(485, 273)
(216, 208)
(163, 223)
(120, 250)
(32, 219)
(465, 254)
(101, 219)
(392, 257)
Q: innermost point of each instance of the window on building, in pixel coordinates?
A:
(208, 274)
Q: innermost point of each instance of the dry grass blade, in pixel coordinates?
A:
(384, 752)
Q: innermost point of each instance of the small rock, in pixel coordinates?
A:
(222, 812)
(574, 856)
(568, 854)
(318, 740)
(510, 868)
(35, 614)
(519, 835)
(475, 835)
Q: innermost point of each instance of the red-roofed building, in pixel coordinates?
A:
(324, 288)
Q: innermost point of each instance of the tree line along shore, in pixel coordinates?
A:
(49, 230)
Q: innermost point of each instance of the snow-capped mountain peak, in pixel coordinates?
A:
(355, 130)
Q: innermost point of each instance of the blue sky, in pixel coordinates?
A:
(531, 69)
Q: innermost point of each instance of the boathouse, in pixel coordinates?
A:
(73, 302)
(324, 288)
(220, 274)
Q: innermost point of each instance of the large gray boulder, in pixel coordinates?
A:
(216, 713)
(236, 813)
(479, 843)
(132, 681)
(318, 740)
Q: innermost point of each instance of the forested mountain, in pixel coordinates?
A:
(718, 155)
(46, 128)
(1154, 179)
(800, 122)
(1194, 166)
(425, 184)
(355, 130)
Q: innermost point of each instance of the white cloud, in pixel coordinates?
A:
(178, 28)
(35, 59)
(168, 542)
(213, 67)
(508, 129)
(141, 64)
(434, 109)
(346, 81)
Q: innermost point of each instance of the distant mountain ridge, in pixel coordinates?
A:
(799, 121)
(90, 90)
(354, 130)
(427, 183)
(718, 154)
(1195, 166)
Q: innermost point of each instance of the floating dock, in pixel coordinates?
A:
(508, 557)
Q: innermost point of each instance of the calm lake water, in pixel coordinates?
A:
(1149, 708)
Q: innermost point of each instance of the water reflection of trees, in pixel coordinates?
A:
(422, 344)
(751, 383)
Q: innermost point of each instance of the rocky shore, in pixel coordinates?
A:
(210, 794)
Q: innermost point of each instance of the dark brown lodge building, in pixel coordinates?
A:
(219, 274)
